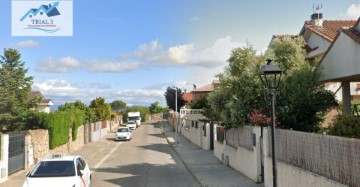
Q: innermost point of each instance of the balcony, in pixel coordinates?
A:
(191, 114)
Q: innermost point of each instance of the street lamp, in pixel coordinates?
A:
(270, 75)
(176, 128)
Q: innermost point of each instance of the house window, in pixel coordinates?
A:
(196, 124)
(41, 13)
(192, 123)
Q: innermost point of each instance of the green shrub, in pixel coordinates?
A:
(77, 119)
(36, 120)
(346, 126)
(59, 124)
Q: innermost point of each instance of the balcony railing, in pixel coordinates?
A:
(190, 111)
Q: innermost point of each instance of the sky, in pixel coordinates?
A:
(132, 50)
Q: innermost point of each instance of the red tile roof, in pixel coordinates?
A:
(187, 96)
(329, 28)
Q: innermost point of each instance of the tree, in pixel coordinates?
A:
(102, 110)
(302, 100)
(15, 88)
(199, 103)
(118, 105)
(170, 98)
(157, 108)
(240, 89)
(89, 114)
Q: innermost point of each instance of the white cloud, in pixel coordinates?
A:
(65, 64)
(261, 51)
(188, 55)
(109, 66)
(215, 55)
(61, 91)
(353, 11)
(180, 54)
(150, 55)
(27, 44)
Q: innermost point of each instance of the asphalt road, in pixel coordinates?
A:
(146, 160)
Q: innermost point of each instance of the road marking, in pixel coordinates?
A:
(107, 156)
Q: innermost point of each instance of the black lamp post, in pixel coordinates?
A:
(270, 75)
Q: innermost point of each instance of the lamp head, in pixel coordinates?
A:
(270, 75)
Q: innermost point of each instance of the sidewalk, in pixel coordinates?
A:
(203, 164)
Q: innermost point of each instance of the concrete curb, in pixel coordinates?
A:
(171, 142)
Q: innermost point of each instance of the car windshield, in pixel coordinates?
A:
(133, 118)
(54, 169)
(123, 130)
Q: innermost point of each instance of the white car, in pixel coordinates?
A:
(123, 133)
(59, 171)
(131, 124)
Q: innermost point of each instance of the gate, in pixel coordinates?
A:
(212, 136)
(16, 152)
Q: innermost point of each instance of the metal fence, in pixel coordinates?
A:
(336, 158)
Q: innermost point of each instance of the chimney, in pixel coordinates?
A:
(317, 16)
(49, 5)
(194, 86)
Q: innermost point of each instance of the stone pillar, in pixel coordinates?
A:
(4, 157)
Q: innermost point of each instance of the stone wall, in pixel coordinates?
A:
(79, 142)
(155, 117)
(40, 140)
(40, 143)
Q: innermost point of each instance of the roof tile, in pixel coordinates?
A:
(329, 28)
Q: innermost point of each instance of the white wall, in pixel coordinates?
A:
(4, 157)
(99, 133)
(342, 60)
(195, 135)
(205, 140)
(218, 146)
(316, 41)
(244, 160)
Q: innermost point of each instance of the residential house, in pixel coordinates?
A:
(319, 35)
(192, 122)
(187, 96)
(204, 90)
(340, 63)
(44, 105)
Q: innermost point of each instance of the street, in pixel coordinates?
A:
(146, 160)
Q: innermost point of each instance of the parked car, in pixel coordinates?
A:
(123, 133)
(131, 124)
(59, 171)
